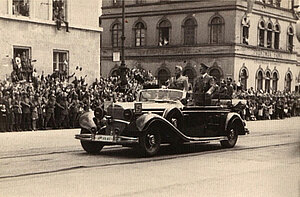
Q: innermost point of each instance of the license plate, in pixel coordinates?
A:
(105, 138)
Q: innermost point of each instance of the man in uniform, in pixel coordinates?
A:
(50, 107)
(180, 82)
(204, 86)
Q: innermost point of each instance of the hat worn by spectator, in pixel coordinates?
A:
(204, 66)
(178, 67)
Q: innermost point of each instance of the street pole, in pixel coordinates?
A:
(123, 36)
(123, 66)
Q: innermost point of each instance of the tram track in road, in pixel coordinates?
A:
(37, 154)
(137, 161)
(48, 153)
(114, 147)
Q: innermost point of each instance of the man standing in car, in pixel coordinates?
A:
(204, 86)
(179, 82)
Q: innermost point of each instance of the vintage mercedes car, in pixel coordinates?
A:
(159, 116)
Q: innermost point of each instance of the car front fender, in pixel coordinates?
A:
(147, 120)
(86, 121)
(144, 119)
(231, 117)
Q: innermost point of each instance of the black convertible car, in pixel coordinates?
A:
(158, 116)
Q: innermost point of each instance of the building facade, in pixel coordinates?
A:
(252, 42)
(54, 35)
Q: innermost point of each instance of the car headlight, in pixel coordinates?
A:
(128, 114)
(99, 113)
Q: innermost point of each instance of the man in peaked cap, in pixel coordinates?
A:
(204, 86)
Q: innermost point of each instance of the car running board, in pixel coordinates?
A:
(206, 139)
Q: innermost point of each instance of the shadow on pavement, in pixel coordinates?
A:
(165, 150)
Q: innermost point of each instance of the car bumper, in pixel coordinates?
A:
(109, 139)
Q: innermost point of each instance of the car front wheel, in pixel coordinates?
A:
(150, 142)
(232, 135)
(89, 146)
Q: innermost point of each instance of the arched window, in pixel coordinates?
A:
(245, 30)
(270, 35)
(190, 73)
(164, 32)
(162, 76)
(216, 30)
(140, 36)
(261, 34)
(189, 31)
(267, 81)
(290, 45)
(244, 78)
(277, 36)
(216, 74)
(116, 35)
(259, 79)
(288, 82)
(275, 81)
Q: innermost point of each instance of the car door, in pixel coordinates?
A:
(202, 122)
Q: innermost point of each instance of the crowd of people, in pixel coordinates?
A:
(260, 105)
(55, 102)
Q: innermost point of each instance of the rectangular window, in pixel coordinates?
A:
(261, 38)
(276, 42)
(140, 37)
(290, 43)
(59, 10)
(21, 63)
(269, 39)
(20, 7)
(245, 35)
(163, 36)
(60, 62)
(189, 35)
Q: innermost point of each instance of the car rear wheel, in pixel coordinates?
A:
(88, 146)
(150, 141)
(232, 135)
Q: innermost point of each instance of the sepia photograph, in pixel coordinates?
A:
(160, 98)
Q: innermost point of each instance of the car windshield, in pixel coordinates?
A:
(161, 95)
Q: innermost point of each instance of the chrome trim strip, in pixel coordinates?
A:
(124, 139)
(205, 111)
(121, 121)
(208, 138)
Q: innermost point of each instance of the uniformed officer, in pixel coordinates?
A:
(204, 86)
(180, 82)
(50, 107)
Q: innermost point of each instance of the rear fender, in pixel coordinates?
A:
(235, 117)
(86, 121)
